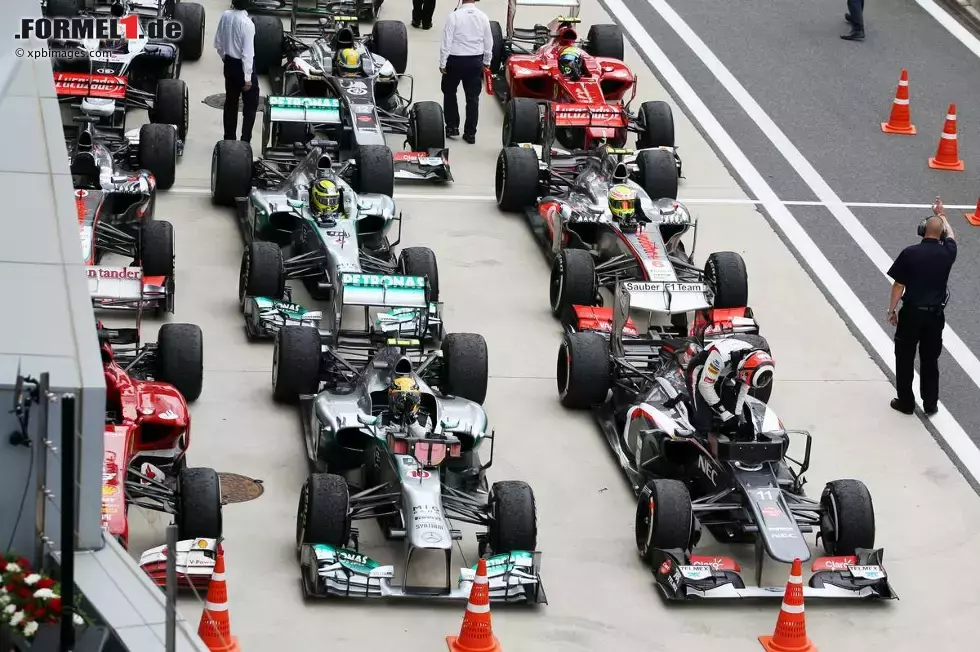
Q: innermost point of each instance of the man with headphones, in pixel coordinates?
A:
(921, 277)
(234, 39)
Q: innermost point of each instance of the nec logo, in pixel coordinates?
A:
(87, 28)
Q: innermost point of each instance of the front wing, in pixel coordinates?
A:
(680, 580)
(196, 559)
(423, 166)
(339, 572)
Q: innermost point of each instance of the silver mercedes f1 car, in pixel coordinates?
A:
(415, 475)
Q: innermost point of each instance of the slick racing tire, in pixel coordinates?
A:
(171, 105)
(231, 171)
(180, 359)
(583, 370)
(375, 170)
(657, 173)
(664, 518)
(522, 122)
(323, 513)
(421, 261)
(295, 363)
(198, 504)
(427, 127)
(573, 281)
(605, 41)
(465, 366)
(497, 49)
(847, 518)
(513, 517)
(158, 153)
(656, 125)
(516, 179)
(390, 39)
(261, 273)
(725, 274)
(190, 15)
(268, 43)
(156, 248)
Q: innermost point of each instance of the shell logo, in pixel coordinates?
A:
(109, 490)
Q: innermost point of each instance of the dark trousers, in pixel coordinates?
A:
(469, 72)
(856, 9)
(922, 330)
(235, 89)
(422, 11)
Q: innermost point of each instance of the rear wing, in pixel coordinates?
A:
(572, 7)
(377, 291)
(312, 110)
(77, 84)
(126, 288)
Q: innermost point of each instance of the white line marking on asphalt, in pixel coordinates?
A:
(946, 425)
(485, 198)
(961, 33)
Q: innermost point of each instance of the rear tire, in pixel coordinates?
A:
(465, 366)
(295, 363)
(656, 124)
(605, 41)
(261, 273)
(158, 153)
(323, 514)
(268, 43)
(664, 518)
(231, 171)
(427, 127)
(847, 521)
(657, 173)
(522, 122)
(198, 504)
(573, 281)
(513, 517)
(516, 179)
(421, 261)
(390, 38)
(180, 358)
(583, 370)
(156, 248)
(497, 50)
(725, 273)
(191, 17)
(375, 170)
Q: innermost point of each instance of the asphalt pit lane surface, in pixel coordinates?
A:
(237, 488)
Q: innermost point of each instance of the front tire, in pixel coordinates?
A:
(171, 105)
(323, 513)
(421, 261)
(198, 504)
(847, 519)
(261, 273)
(664, 518)
(513, 517)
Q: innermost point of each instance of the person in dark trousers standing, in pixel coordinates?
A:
(921, 275)
(854, 16)
(467, 48)
(235, 42)
(422, 11)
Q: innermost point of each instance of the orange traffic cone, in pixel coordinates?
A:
(947, 154)
(900, 118)
(974, 217)
(476, 634)
(790, 634)
(215, 627)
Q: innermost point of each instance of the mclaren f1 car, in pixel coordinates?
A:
(743, 487)
(414, 473)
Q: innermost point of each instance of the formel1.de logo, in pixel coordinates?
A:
(84, 28)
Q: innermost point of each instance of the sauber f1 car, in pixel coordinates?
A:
(415, 475)
(147, 434)
(356, 111)
(322, 250)
(743, 487)
(592, 106)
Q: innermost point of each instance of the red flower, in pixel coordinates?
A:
(10, 587)
(24, 593)
(3, 564)
(45, 583)
(40, 613)
(24, 563)
(54, 604)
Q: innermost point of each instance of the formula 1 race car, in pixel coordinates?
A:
(412, 477)
(591, 106)
(190, 15)
(743, 486)
(147, 434)
(322, 250)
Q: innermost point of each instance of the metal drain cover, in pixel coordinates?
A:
(217, 101)
(237, 488)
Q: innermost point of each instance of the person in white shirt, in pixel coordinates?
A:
(467, 48)
(235, 42)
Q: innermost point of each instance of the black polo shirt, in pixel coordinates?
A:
(924, 271)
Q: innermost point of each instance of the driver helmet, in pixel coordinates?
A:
(404, 397)
(348, 62)
(622, 203)
(756, 369)
(325, 197)
(570, 62)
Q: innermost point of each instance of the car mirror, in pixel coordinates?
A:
(366, 420)
(296, 203)
(449, 423)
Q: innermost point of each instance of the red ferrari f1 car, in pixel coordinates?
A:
(147, 432)
(591, 104)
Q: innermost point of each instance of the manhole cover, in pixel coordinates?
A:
(239, 488)
(217, 101)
